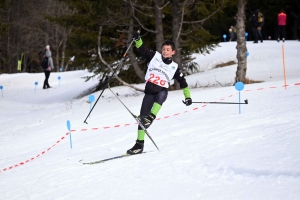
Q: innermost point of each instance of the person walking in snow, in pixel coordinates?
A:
(232, 34)
(254, 23)
(232, 30)
(161, 70)
(261, 22)
(47, 71)
(281, 25)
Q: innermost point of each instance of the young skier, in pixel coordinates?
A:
(161, 70)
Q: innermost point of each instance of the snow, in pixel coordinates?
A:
(207, 151)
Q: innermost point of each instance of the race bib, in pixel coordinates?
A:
(160, 73)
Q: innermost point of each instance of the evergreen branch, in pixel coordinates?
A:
(99, 49)
(160, 8)
(182, 15)
(143, 13)
(203, 20)
(109, 67)
(133, 9)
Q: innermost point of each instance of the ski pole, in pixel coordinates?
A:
(135, 117)
(107, 82)
(204, 102)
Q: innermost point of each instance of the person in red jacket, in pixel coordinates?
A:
(281, 25)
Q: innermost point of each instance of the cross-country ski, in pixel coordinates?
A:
(105, 160)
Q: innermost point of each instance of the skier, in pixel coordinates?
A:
(161, 70)
(50, 67)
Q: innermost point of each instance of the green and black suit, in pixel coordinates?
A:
(159, 73)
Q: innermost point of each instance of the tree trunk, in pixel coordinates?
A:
(24, 62)
(8, 53)
(63, 55)
(176, 23)
(66, 36)
(131, 54)
(158, 24)
(241, 43)
(56, 60)
(110, 68)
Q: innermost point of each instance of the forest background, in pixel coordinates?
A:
(97, 33)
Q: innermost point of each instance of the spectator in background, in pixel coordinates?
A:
(281, 25)
(254, 22)
(232, 30)
(298, 27)
(261, 22)
(235, 19)
(232, 33)
(47, 71)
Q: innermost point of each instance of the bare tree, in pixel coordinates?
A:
(58, 33)
(108, 65)
(177, 19)
(28, 33)
(241, 43)
(159, 34)
(180, 10)
(181, 25)
(132, 56)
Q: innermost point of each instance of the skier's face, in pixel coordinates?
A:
(167, 51)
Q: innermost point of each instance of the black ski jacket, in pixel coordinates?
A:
(153, 88)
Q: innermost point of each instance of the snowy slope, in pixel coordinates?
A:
(207, 151)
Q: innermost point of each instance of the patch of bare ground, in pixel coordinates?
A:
(225, 64)
(249, 81)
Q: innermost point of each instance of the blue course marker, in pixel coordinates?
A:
(1, 88)
(247, 54)
(36, 83)
(58, 80)
(91, 100)
(239, 86)
(69, 125)
(246, 34)
(60, 69)
(69, 128)
(224, 36)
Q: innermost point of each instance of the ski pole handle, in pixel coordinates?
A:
(136, 35)
(246, 102)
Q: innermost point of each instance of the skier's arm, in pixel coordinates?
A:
(180, 78)
(184, 86)
(146, 53)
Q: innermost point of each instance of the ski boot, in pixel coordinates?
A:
(147, 120)
(137, 148)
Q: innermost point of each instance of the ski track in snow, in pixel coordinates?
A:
(206, 151)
